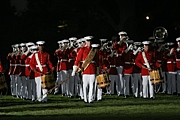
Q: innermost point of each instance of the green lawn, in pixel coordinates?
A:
(164, 107)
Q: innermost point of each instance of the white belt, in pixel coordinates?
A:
(41, 65)
(17, 64)
(171, 62)
(26, 65)
(149, 63)
(12, 64)
(62, 60)
(159, 60)
(71, 59)
(129, 62)
(177, 59)
(112, 66)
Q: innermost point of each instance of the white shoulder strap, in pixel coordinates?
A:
(38, 62)
(146, 61)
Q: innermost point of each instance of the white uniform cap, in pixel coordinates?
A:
(137, 43)
(29, 44)
(146, 42)
(16, 45)
(63, 41)
(60, 42)
(88, 38)
(34, 47)
(122, 33)
(170, 43)
(178, 39)
(40, 42)
(12, 46)
(83, 39)
(72, 38)
(103, 40)
(78, 41)
(151, 38)
(23, 44)
(95, 45)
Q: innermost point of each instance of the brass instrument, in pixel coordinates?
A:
(160, 33)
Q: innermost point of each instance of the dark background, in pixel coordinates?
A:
(77, 18)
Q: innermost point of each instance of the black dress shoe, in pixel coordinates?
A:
(126, 96)
(152, 98)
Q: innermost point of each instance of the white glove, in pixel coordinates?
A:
(128, 48)
(171, 51)
(74, 70)
(138, 50)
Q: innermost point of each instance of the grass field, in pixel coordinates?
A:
(164, 107)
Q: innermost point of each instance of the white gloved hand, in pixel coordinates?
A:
(74, 70)
(136, 51)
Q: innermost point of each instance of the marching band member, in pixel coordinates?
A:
(16, 57)
(10, 72)
(128, 58)
(33, 90)
(58, 78)
(146, 61)
(89, 70)
(177, 53)
(41, 64)
(136, 76)
(113, 73)
(78, 78)
(25, 58)
(169, 58)
(159, 53)
(62, 55)
(72, 56)
(120, 46)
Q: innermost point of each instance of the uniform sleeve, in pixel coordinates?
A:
(49, 62)
(138, 60)
(33, 63)
(79, 57)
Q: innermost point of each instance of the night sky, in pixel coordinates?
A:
(33, 20)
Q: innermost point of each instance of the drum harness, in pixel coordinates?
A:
(85, 64)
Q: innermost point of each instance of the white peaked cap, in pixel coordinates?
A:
(13, 46)
(78, 41)
(34, 47)
(88, 37)
(16, 45)
(23, 44)
(170, 43)
(60, 42)
(72, 38)
(178, 39)
(137, 43)
(65, 40)
(29, 44)
(95, 45)
(83, 39)
(146, 42)
(103, 40)
(40, 42)
(122, 33)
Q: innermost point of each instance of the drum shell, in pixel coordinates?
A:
(155, 76)
(47, 81)
(3, 83)
(102, 80)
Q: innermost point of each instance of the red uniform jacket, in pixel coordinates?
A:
(81, 56)
(17, 68)
(12, 64)
(139, 61)
(119, 51)
(129, 59)
(44, 59)
(26, 59)
(103, 60)
(177, 55)
(112, 65)
(62, 56)
(72, 57)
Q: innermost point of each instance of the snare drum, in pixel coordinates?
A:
(155, 76)
(3, 83)
(102, 80)
(48, 81)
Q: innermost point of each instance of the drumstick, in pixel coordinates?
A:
(56, 86)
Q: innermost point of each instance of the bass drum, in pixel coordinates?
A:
(103, 80)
